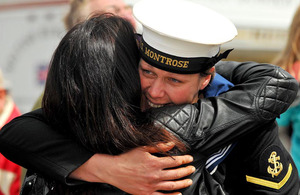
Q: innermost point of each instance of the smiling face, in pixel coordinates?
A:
(161, 88)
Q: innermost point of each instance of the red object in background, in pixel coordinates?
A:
(10, 173)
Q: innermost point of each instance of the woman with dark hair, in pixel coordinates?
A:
(93, 93)
(93, 84)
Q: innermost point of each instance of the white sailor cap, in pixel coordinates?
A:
(182, 36)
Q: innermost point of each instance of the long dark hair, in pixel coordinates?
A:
(93, 88)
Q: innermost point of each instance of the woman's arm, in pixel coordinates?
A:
(29, 141)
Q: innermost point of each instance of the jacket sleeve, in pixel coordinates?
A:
(261, 93)
(28, 141)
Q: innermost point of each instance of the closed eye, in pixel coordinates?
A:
(147, 72)
(175, 80)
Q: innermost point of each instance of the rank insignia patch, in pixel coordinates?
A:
(274, 170)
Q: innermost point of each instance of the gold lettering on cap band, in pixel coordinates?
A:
(176, 64)
(165, 60)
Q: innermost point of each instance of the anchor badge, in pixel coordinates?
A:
(277, 165)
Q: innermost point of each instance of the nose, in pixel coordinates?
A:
(156, 89)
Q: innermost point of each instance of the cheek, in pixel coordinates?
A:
(143, 82)
(183, 95)
(187, 93)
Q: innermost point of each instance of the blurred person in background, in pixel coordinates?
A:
(81, 9)
(289, 59)
(10, 173)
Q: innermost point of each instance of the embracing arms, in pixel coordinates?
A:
(261, 93)
(30, 142)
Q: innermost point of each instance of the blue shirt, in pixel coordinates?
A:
(218, 85)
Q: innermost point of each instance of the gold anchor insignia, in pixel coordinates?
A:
(277, 165)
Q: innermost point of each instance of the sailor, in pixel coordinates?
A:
(181, 39)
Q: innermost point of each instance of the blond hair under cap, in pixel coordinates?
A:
(182, 36)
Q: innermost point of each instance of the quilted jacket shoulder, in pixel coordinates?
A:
(261, 93)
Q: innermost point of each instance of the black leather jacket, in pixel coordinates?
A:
(261, 93)
(254, 103)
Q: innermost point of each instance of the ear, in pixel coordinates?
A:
(205, 82)
(206, 79)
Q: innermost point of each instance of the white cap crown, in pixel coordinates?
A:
(183, 28)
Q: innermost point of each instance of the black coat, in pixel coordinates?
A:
(259, 163)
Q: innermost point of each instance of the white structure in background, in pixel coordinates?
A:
(262, 24)
(29, 36)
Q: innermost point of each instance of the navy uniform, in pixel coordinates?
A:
(257, 163)
(260, 164)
